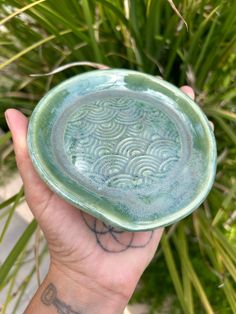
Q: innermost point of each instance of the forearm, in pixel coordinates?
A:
(60, 294)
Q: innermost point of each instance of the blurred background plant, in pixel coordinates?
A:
(194, 270)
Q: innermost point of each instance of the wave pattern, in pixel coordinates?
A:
(120, 142)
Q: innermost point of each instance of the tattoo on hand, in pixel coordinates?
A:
(49, 297)
(113, 240)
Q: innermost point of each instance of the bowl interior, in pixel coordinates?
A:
(126, 147)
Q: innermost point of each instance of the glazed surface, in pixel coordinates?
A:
(121, 143)
(126, 147)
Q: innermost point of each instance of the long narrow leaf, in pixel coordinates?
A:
(17, 249)
(28, 49)
(225, 244)
(88, 17)
(230, 294)
(11, 212)
(12, 283)
(181, 245)
(173, 272)
(215, 112)
(187, 288)
(27, 280)
(19, 11)
(228, 130)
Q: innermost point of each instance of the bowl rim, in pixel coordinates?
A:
(124, 224)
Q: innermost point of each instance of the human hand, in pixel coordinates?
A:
(94, 268)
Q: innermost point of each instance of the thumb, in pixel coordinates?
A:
(188, 90)
(35, 189)
(18, 125)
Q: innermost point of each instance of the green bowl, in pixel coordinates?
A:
(126, 147)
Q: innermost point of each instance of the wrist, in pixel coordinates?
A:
(75, 293)
(91, 297)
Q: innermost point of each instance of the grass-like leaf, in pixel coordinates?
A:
(181, 245)
(28, 49)
(17, 249)
(10, 214)
(174, 274)
(19, 11)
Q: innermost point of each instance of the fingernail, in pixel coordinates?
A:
(212, 125)
(188, 91)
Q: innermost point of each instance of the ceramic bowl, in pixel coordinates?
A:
(126, 147)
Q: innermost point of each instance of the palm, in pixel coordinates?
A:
(77, 240)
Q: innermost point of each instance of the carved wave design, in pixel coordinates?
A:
(162, 148)
(142, 166)
(110, 164)
(129, 116)
(102, 149)
(131, 147)
(109, 131)
(86, 128)
(121, 143)
(101, 115)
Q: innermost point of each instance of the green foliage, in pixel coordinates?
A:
(16, 251)
(195, 265)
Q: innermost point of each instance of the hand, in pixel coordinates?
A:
(94, 268)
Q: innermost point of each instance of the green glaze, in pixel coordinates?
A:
(126, 147)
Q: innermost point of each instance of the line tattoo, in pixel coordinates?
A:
(114, 240)
(49, 297)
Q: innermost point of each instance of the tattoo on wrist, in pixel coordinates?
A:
(114, 240)
(49, 297)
